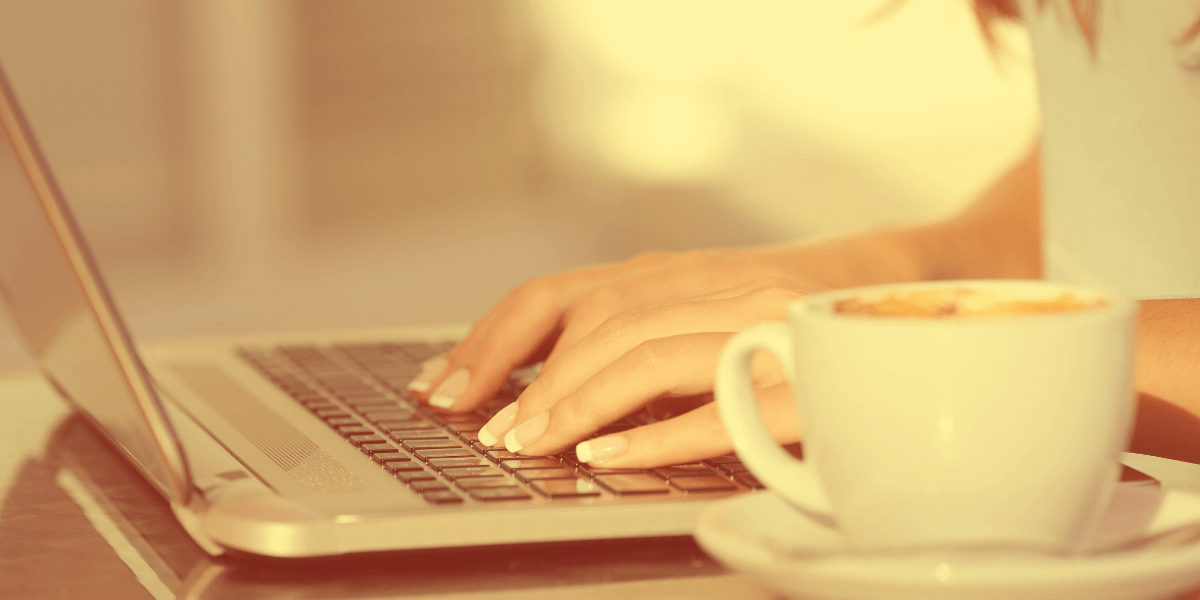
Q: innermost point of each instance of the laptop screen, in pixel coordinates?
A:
(62, 310)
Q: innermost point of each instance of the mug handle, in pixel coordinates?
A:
(794, 479)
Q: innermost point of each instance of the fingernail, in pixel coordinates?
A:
(601, 448)
(447, 393)
(527, 433)
(430, 370)
(500, 423)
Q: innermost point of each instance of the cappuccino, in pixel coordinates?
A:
(958, 302)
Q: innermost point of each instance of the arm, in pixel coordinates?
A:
(539, 320)
(997, 237)
(1168, 380)
(618, 337)
(1169, 351)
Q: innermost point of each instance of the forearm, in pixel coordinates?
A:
(1169, 351)
(997, 236)
(1168, 380)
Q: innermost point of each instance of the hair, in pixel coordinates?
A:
(990, 11)
(1085, 12)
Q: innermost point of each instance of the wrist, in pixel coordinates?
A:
(887, 256)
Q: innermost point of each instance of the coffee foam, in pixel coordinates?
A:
(959, 302)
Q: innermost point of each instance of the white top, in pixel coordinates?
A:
(1121, 146)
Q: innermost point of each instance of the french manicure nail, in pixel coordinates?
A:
(601, 448)
(430, 370)
(527, 433)
(447, 393)
(500, 423)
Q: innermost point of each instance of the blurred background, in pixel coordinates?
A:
(269, 165)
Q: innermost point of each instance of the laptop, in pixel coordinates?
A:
(297, 446)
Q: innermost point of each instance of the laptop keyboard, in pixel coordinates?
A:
(359, 391)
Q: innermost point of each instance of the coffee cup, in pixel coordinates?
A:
(945, 414)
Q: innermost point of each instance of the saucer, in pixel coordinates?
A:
(763, 536)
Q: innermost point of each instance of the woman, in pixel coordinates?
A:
(1110, 197)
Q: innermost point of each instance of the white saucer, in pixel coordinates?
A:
(763, 536)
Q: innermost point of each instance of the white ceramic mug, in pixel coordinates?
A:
(933, 432)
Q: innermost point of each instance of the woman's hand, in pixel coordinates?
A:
(664, 353)
(547, 316)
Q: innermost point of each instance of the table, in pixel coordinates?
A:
(76, 521)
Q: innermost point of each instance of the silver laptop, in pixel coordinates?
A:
(292, 446)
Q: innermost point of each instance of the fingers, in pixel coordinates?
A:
(519, 330)
(687, 438)
(477, 370)
(622, 333)
(631, 360)
(663, 367)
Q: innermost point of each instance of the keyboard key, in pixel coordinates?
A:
(343, 380)
(359, 440)
(343, 421)
(348, 430)
(733, 468)
(637, 483)
(447, 463)
(442, 442)
(382, 457)
(491, 494)
(428, 453)
(703, 483)
(326, 369)
(355, 394)
(728, 458)
(441, 497)
(529, 463)
(400, 466)
(376, 416)
(750, 481)
(368, 399)
(549, 473)
(566, 488)
(591, 471)
(427, 485)
(317, 403)
(473, 426)
(687, 470)
(373, 405)
(415, 422)
(502, 454)
(470, 483)
(461, 418)
(456, 472)
(392, 371)
(416, 434)
(408, 476)
(378, 448)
